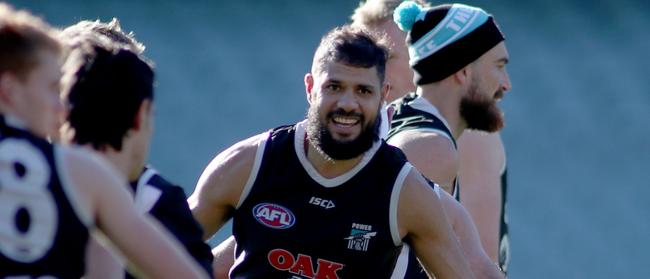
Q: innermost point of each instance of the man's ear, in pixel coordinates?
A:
(463, 75)
(67, 133)
(8, 84)
(144, 111)
(385, 90)
(309, 86)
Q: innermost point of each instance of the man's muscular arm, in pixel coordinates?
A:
(421, 218)
(221, 185)
(482, 160)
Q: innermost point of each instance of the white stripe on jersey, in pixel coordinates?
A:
(394, 202)
(402, 263)
(259, 154)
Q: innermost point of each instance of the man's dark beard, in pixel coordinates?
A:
(322, 139)
(480, 112)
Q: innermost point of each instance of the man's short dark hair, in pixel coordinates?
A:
(105, 94)
(352, 46)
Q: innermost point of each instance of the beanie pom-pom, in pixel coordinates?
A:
(406, 14)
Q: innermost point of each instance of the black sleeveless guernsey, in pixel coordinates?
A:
(294, 223)
(41, 233)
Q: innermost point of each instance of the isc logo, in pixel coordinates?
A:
(327, 204)
(273, 216)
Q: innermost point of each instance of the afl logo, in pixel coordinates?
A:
(273, 216)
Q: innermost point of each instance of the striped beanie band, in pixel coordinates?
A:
(444, 39)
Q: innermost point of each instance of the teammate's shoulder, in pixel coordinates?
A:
(424, 140)
(82, 157)
(433, 155)
(251, 142)
(242, 150)
(235, 161)
(88, 175)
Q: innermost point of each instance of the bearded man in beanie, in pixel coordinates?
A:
(459, 56)
(482, 156)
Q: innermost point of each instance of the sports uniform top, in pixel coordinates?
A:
(291, 222)
(43, 231)
(167, 203)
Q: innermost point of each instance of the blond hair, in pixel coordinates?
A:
(372, 13)
(22, 36)
(108, 35)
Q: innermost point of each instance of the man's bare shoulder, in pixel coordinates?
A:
(87, 177)
(86, 168)
(426, 142)
(238, 156)
(222, 185)
(431, 153)
(226, 174)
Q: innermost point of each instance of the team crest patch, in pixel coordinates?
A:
(360, 236)
(274, 216)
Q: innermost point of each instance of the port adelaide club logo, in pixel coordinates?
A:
(274, 216)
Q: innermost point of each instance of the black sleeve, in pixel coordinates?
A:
(174, 213)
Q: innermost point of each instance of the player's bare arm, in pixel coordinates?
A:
(155, 253)
(101, 262)
(220, 187)
(482, 160)
(224, 258)
(422, 220)
(482, 266)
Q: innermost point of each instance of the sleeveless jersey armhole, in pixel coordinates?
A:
(394, 203)
(401, 266)
(402, 263)
(254, 171)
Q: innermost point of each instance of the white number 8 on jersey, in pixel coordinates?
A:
(28, 216)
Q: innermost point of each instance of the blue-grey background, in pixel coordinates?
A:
(577, 136)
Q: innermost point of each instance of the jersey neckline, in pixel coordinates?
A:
(299, 146)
